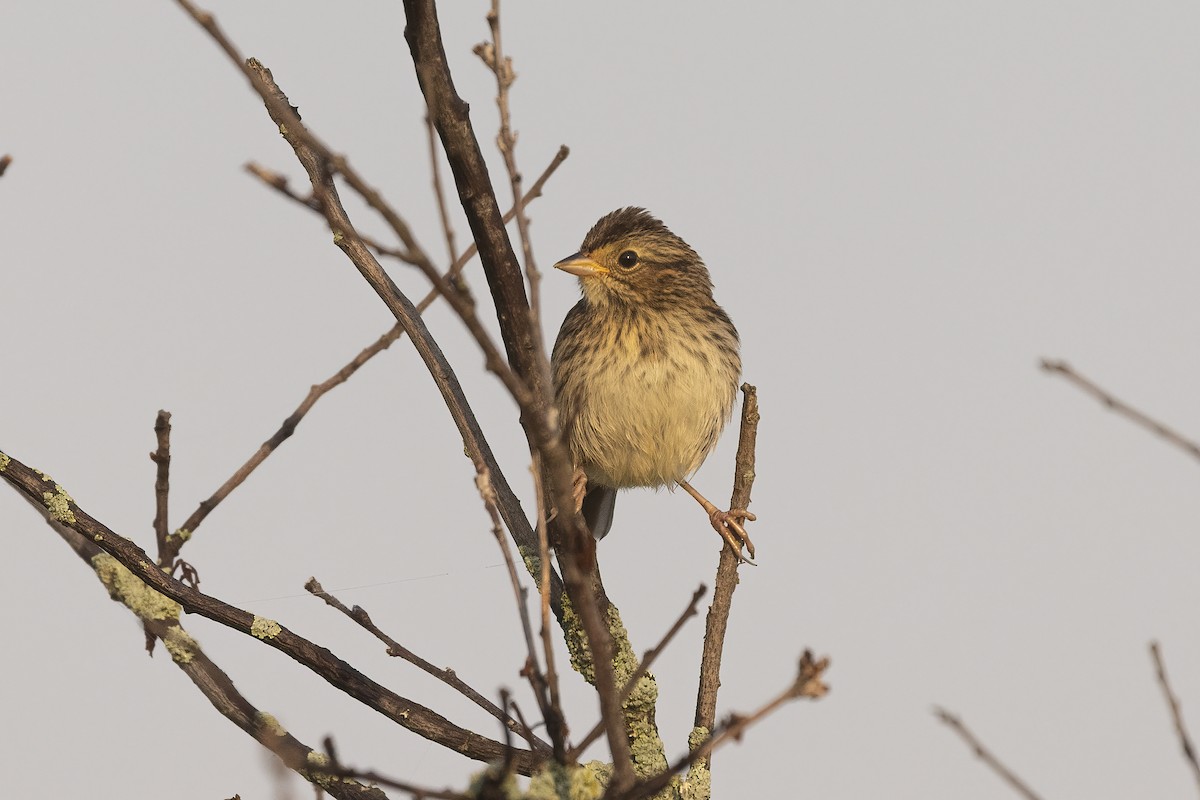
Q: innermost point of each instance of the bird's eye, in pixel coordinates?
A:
(628, 259)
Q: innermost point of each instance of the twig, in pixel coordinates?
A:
(808, 684)
(1122, 408)
(317, 164)
(162, 482)
(1185, 741)
(333, 768)
(717, 621)
(555, 727)
(279, 182)
(984, 755)
(545, 585)
(5, 160)
(508, 502)
(647, 661)
(447, 676)
(439, 191)
(339, 674)
(321, 164)
(492, 54)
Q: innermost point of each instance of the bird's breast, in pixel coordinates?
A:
(649, 400)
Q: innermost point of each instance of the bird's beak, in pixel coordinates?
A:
(581, 265)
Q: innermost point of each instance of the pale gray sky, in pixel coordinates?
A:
(903, 206)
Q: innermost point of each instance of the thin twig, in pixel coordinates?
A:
(5, 160)
(726, 582)
(532, 671)
(321, 163)
(544, 585)
(647, 661)
(279, 182)
(333, 771)
(492, 54)
(985, 755)
(162, 482)
(341, 376)
(1124, 409)
(1185, 741)
(439, 192)
(808, 684)
(447, 676)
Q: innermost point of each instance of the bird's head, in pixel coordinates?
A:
(630, 257)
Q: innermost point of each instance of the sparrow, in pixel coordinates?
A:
(645, 369)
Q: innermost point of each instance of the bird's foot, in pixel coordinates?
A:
(578, 490)
(580, 482)
(729, 525)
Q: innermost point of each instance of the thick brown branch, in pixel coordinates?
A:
(450, 115)
(406, 713)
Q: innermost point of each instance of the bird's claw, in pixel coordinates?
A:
(580, 482)
(729, 525)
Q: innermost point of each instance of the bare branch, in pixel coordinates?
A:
(5, 160)
(406, 713)
(509, 504)
(439, 192)
(717, 621)
(1185, 741)
(576, 550)
(332, 769)
(447, 676)
(985, 755)
(1122, 408)
(162, 482)
(555, 725)
(160, 620)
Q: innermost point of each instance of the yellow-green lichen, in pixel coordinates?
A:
(59, 503)
(533, 562)
(183, 534)
(697, 784)
(127, 588)
(319, 766)
(556, 782)
(267, 722)
(180, 645)
(4, 460)
(508, 784)
(264, 628)
(45, 478)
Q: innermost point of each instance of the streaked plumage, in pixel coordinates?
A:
(646, 365)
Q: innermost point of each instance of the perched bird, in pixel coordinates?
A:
(645, 368)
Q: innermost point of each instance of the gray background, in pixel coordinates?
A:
(904, 206)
